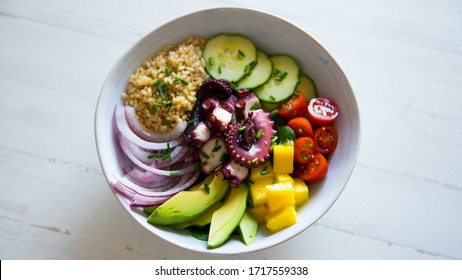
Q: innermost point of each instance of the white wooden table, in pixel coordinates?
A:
(403, 59)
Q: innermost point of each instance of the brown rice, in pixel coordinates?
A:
(163, 89)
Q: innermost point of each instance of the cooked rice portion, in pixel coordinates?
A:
(163, 89)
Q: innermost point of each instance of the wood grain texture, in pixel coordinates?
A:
(403, 59)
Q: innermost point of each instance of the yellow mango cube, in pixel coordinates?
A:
(260, 172)
(258, 194)
(283, 158)
(280, 195)
(281, 219)
(301, 191)
(283, 178)
(260, 212)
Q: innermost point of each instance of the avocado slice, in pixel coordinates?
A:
(187, 205)
(248, 228)
(200, 221)
(226, 219)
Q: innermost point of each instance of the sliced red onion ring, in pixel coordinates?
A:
(129, 194)
(138, 176)
(149, 135)
(140, 200)
(146, 156)
(157, 185)
(124, 145)
(177, 158)
(124, 128)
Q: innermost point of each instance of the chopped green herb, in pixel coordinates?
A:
(166, 157)
(255, 160)
(264, 172)
(184, 82)
(175, 69)
(191, 121)
(153, 108)
(247, 70)
(272, 97)
(300, 130)
(294, 112)
(274, 139)
(168, 104)
(204, 155)
(174, 174)
(242, 128)
(176, 80)
(167, 71)
(273, 181)
(259, 134)
(255, 106)
(282, 76)
(276, 71)
(219, 69)
(241, 53)
(204, 163)
(222, 158)
(206, 188)
(197, 167)
(217, 146)
(211, 61)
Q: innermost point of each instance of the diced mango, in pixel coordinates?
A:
(281, 219)
(258, 194)
(283, 158)
(260, 212)
(260, 172)
(279, 195)
(284, 178)
(301, 191)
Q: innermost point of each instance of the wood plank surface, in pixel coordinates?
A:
(403, 60)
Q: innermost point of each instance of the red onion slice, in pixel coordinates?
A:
(149, 135)
(140, 200)
(158, 184)
(124, 128)
(146, 156)
(179, 172)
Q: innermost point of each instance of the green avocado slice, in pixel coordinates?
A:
(187, 205)
(226, 219)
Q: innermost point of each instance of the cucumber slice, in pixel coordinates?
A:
(260, 73)
(229, 56)
(307, 87)
(283, 82)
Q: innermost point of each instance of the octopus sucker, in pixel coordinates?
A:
(247, 141)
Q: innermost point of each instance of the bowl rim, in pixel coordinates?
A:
(98, 124)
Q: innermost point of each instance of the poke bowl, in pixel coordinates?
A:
(199, 113)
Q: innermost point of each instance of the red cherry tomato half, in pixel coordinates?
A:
(304, 149)
(325, 139)
(295, 106)
(301, 126)
(314, 171)
(322, 111)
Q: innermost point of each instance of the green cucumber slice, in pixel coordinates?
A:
(307, 87)
(229, 56)
(260, 74)
(283, 82)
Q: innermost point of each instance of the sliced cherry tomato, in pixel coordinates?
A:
(301, 126)
(295, 106)
(325, 139)
(304, 149)
(322, 111)
(314, 171)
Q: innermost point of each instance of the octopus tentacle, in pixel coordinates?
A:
(249, 140)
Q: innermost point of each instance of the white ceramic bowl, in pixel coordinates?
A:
(275, 36)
